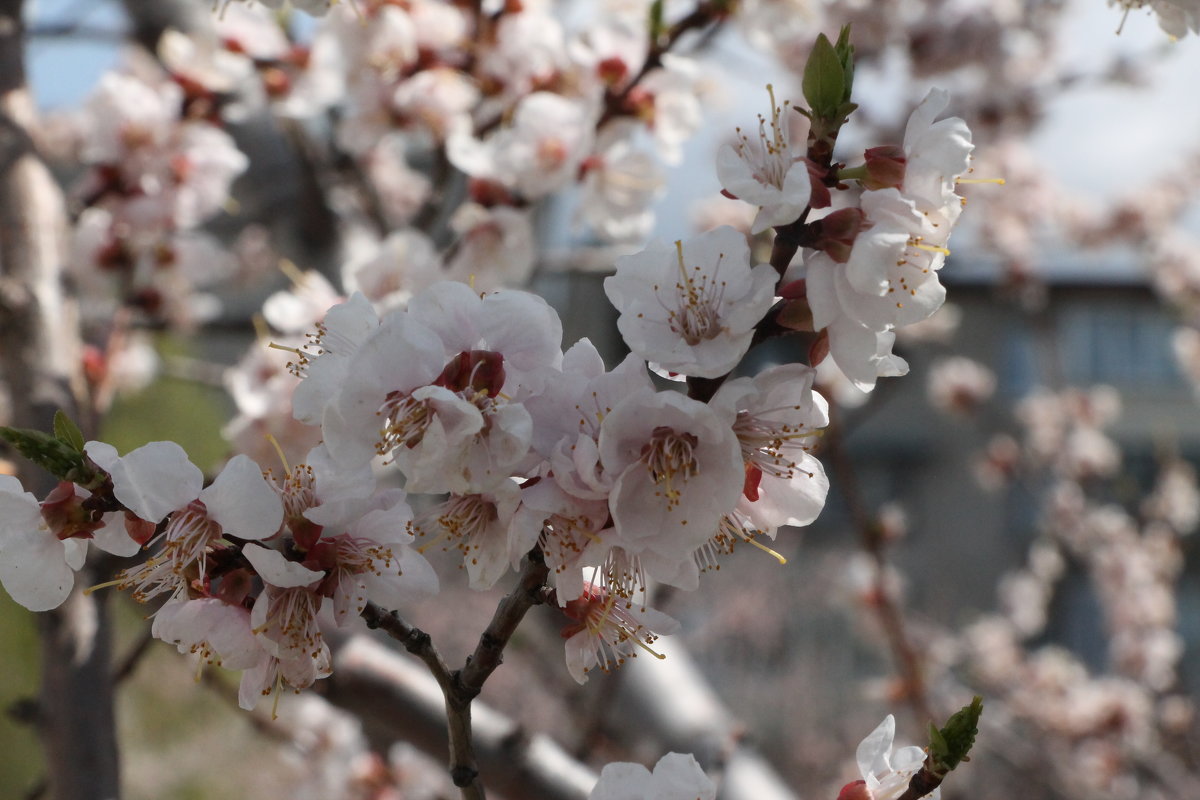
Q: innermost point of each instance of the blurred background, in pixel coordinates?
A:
(1025, 498)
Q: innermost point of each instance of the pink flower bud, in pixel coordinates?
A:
(855, 790)
(838, 232)
(886, 166)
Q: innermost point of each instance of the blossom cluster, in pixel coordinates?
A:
(469, 397)
(429, 408)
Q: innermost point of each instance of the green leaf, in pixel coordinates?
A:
(824, 83)
(949, 746)
(51, 454)
(845, 54)
(657, 25)
(67, 431)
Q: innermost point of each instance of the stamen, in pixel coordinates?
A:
(270, 437)
(646, 647)
(931, 248)
(105, 585)
(768, 551)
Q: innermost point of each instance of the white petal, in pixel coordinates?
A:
(873, 751)
(622, 781)
(112, 537)
(155, 479)
(242, 502)
(677, 776)
(276, 570)
(34, 569)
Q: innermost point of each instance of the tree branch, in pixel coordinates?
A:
(461, 687)
(904, 654)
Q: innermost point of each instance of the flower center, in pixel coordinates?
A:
(771, 159)
(405, 420)
(670, 456)
(767, 443)
(696, 313)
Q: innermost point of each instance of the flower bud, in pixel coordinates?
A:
(855, 790)
(838, 232)
(885, 167)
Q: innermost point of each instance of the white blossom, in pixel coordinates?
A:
(692, 308)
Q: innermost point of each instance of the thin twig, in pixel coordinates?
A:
(462, 686)
(509, 613)
(702, 15)
(415, 641)
(891, 619)
(128, 664)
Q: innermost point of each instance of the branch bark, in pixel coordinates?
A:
(461, 687)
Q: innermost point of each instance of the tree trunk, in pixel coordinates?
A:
(39, 360)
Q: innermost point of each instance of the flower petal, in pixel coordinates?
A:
(242, 502)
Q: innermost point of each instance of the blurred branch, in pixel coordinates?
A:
(398, 700)
(678, 709)
(887, 610)
(40, 362)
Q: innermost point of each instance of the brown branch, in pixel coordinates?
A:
(891, 619)
(415, 641)
(461, 687)
(615, 103)
(125, 668)
(512, 609)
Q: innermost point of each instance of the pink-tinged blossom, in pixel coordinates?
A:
(537, 153)
(678, 471)
(529, 51)
(477, 525)
(676, 776)
(572, 533)
(621, 183)
(670, 104)
(960, 385)
(358, 537)
(568, 412)
(391, 271)
(397, 359)
(778, 422)
(495, 249)
(890, 278)
(692, 308)
(438, 100)
(766, 172)
(609, 629)
(325, 359)
(213, 630)
(372, 558)
(239, 502)
(303, 305)
(438, 388)
(284, 619)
